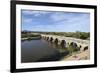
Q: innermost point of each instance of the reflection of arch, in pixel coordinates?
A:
(63, 44)
(51, 39)
(86, 48)
(56, 41)
(73, 44)
(47, 38)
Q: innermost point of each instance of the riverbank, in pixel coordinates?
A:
(83, 55)
(30, 38)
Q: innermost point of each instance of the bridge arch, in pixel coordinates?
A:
(73, 44)
(80, 46)
(85, 48)
(47, 39)
(51, 39)
(56, 41)
(63, 44)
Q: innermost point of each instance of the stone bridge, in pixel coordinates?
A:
(82, 44)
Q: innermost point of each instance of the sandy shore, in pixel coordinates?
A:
(84, 55)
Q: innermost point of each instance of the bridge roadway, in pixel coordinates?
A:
(83, 44)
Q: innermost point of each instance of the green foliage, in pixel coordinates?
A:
(84, 35)
(72, 50)
(80, 35)
(28, 35)
(77, 34)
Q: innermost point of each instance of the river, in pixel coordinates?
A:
(40, 51)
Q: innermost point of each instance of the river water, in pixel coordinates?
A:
(40, 51)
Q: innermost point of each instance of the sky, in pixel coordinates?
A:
(55, 21)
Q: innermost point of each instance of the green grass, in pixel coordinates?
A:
(29, 35)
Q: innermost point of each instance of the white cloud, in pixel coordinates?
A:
(27, 20)
(35, 13)
(58, 16)
(68, 17)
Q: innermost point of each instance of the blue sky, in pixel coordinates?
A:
(55, 21)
